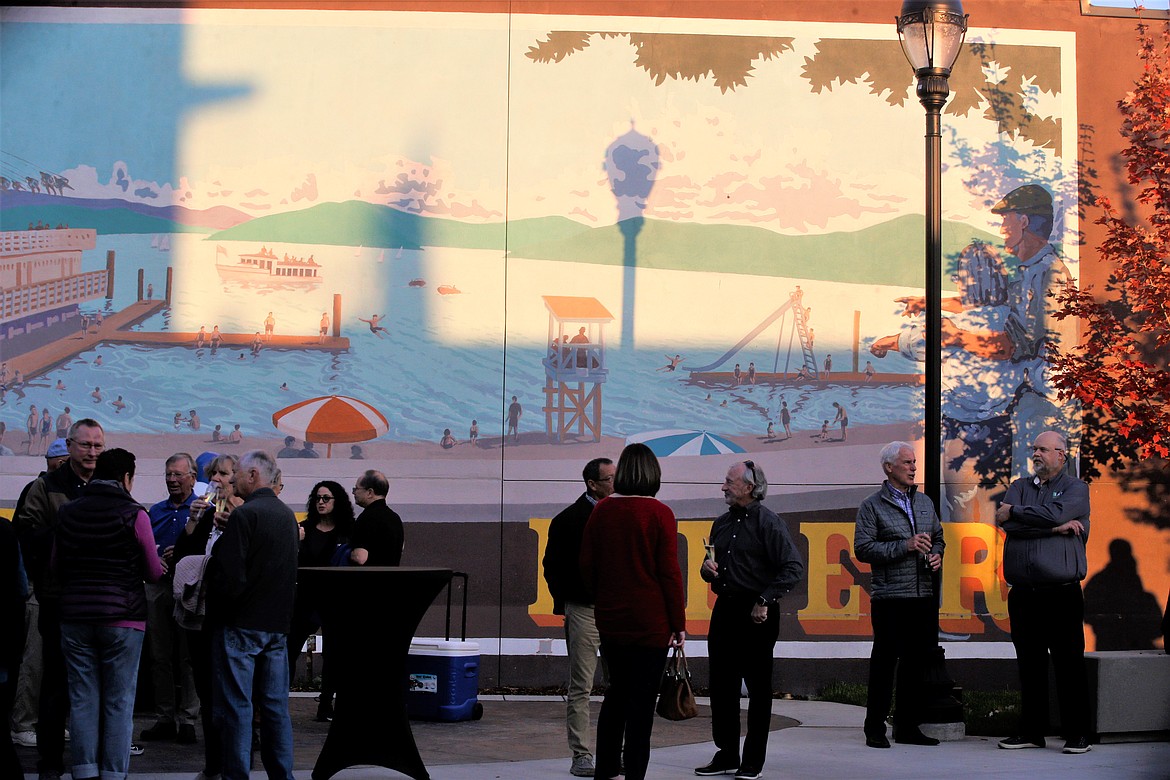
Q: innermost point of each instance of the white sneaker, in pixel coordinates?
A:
(68, 736)
(24, 738)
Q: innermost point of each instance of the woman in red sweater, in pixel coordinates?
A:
(629, 558)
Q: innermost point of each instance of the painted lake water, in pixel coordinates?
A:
(446, 359)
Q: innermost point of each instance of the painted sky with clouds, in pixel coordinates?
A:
(267, 111)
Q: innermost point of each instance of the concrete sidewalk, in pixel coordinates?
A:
(826, 744)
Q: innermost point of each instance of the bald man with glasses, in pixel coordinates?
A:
(1046, 520)
(378, 535)
(751, 564)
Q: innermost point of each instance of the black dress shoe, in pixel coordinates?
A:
(877, 741)
(718, 766)
(915, 737)
(159, 731)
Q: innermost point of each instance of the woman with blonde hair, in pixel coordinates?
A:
(209, 515)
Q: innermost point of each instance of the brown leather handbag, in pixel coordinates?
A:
(676, 700)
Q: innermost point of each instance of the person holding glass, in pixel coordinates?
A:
(752, 563)
(208, 518)
(629, 560)
(327, 525)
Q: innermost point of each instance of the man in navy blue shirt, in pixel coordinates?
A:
(168, 647)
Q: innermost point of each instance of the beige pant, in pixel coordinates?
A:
(582, 640)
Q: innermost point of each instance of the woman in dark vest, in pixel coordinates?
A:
(104, 549)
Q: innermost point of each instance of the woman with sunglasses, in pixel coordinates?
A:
(326, 527)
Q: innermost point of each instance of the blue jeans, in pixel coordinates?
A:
(251, 666)
(101, 664)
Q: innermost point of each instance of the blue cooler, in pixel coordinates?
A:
(442, 680)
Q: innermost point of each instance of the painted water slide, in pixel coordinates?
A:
(750, 336)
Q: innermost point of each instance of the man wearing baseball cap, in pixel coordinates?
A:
(24, 708)
(995, 335)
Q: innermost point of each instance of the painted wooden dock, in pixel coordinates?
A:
(115, 329)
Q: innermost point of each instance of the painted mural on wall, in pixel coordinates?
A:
(480, 242)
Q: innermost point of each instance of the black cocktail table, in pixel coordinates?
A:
(369, 615)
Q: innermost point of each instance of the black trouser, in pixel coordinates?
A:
(305, 623)
(54, 705)
(199, 650)
(1050, 620)
(739, 650)
(626, 720)
(9, 761)
(905, 633)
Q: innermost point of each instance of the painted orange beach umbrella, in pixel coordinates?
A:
(331, 419)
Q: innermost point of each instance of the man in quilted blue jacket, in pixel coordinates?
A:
(899, 535)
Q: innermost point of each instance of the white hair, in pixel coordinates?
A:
(891, 451)
(263, 463)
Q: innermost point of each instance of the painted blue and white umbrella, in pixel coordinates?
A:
(683, 442)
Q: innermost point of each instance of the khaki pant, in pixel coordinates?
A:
(582, 641)
(26, 707)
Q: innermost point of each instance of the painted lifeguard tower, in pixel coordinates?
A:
(574, 368)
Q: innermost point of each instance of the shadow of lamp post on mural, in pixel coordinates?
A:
(331, 419)
(631, 165)
(931, 33)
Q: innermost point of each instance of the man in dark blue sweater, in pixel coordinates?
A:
(251, 579)
(571, 598)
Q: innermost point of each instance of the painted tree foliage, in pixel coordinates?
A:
(725, 59)
(1120, 372)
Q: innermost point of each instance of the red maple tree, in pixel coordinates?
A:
(1120, 373)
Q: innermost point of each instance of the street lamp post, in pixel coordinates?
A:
(931, 33)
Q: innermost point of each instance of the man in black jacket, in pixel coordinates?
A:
(35, 525)
(251, 579)
(562, 571)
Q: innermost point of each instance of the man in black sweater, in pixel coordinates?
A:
(378, 536)
(562, 571)
(251, 579)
